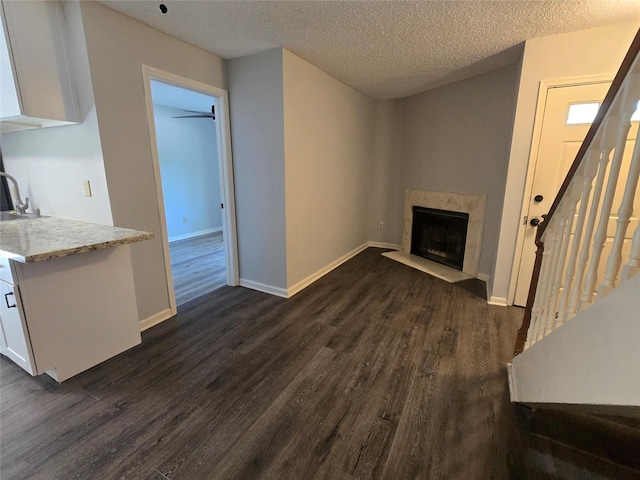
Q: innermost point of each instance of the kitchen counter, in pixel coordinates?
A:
(43, 238)
(64, 313)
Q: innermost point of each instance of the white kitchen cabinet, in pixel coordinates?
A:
(73, 287)
(71, 312)
(36, 78)
(14, 335)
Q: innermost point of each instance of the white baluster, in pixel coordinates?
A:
(567, 213)
(574, 192)
(601, 232)
(564, 227)
(590, 169)
(633, 266)
(610, 126)
(544, 284)
(624, 214)
(556, 230)
(532, 336)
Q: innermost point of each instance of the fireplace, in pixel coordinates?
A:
(439, 235)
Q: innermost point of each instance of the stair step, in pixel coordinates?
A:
(595, 445)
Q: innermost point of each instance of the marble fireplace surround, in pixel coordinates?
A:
(473, 204)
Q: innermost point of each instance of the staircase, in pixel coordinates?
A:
(579, 345)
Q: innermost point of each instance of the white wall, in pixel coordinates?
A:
(51, 164)
(456, 139)
(187, 149)
(328, 128)
(118, 47)
(257, 125)
(592, 359)
(385, 196)
(589, 52)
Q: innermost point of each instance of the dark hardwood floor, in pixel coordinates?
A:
(376, 371)
(198, 266)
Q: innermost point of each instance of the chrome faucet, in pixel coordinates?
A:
(21, 207)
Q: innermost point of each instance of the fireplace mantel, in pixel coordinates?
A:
(474, 205)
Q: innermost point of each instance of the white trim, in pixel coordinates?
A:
(261, 287)
(501, 301)
(155, 319)
(225, 164)
(392, 246)
(199, 233)
(305, 282)
(482, 276)
(545, 86)
(512, 382)
(164, 236)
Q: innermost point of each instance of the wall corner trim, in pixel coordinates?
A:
(391, 246)
(155, 319)
(261, 287)
(500, 301)
(305, 282)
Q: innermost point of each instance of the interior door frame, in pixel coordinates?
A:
(225, 165)
(545, 86)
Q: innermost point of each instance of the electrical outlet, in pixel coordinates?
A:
(185, 219)
(380, 225)
(87, 188)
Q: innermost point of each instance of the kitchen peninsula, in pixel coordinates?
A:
(68, 298)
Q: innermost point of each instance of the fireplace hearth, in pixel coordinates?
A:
(439, 235)
(458, 249)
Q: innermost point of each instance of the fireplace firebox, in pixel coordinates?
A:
(439, 235)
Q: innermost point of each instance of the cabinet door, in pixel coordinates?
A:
(37, 79)
(16, 343)
(10, 104)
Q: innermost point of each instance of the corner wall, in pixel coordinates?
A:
(118, 47)
(456, 138)
(257, 125)
(386, 197)
(328, 128)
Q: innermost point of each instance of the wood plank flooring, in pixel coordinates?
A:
(376, 371)
(198, 266)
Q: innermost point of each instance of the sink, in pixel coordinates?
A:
(18, 216)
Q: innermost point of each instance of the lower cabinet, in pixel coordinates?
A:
(65, 315)
(14, 334)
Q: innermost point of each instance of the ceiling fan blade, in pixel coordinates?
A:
(211, 115)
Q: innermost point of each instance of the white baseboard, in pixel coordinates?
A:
(501, 301)
(482, 276)
(392, 246)
(195, 234)
(304, 283)
(261, 287)
(155, 319)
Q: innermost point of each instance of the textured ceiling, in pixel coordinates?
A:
(386, 49)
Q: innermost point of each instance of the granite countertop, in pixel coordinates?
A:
(43, 238)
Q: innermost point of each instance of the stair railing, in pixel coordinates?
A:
(570, 271)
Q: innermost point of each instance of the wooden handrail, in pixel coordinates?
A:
(602, 112)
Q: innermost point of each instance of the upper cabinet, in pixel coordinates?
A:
(37, 85)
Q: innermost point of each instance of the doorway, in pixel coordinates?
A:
(189, 135)
(563, 121)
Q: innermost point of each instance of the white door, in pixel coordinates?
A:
(560, 140)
